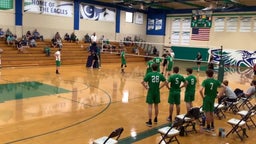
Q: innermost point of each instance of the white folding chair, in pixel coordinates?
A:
(110, 139)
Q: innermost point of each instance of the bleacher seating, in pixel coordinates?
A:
(72, 53)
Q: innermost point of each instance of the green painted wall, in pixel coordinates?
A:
(189, 53)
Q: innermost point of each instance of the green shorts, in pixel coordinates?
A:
(208, 105)
(189, 96)
(58, 63)
(174, 98)
(153, 98)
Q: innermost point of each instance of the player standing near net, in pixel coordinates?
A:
(57, 55)
(169, 66)
(123, 60)
(151, 82)
(198, 60)
(158, 61)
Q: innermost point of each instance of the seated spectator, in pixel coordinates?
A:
(73, 37)
(32, 43)
(7, 33)
(66, 37)
(59, 43)
(1, 33)
(229, 93)
(54, 42)
(87, 38)
(10, 40)
(21, 45)
(251, 90)
(29, 35)
(57, 35)
(37, 35)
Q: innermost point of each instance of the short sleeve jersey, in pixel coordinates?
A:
(157, 60)
(191, 84)
(169, 60)
(210, 88)
(153, 79)
(149, 68)
(175, 80)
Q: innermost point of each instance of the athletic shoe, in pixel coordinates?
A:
(149, 123)
(169, 119)
(207, 130)
(155, 120)
(212, 129)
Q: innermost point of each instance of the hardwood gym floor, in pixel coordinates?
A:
(79, 105)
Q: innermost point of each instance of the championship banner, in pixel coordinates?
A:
(50, 7)
(97, 13)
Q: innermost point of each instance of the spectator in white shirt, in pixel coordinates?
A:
(94, 38)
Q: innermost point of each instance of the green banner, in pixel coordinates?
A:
(6, 4)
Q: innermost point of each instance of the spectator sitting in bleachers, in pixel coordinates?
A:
(87, 38)
(29, 35)
(128, 41)
(59, 43)
(57, 36)
(32, 43)
(37, 35)
(21, 45)
(10, 40)
(66, 37)
(1, 33)
(8, 32)
(73, 37)
(54, 42)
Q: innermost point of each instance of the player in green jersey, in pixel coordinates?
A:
(174, 85)
(151, 82)
(190, 88)
(123, 60)
(158, 61)
(149, 66)
(169, 64)
(209, 91)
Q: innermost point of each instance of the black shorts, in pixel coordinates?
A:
(95, 57)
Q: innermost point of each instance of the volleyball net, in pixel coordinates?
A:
(135, 48)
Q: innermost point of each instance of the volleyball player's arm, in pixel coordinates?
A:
(144, 84)
(167, 85)
(201, 91)
(221, 91)
(163, 84)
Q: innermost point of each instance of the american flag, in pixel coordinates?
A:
(200, 34)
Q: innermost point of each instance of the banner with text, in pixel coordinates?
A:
(50, 7)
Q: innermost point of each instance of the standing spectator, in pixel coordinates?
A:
(123, 60)
(174, 86)
(198, 60)
(94, 37)
(57, 55)
(208, 92)
(37, 35)
(151, 82)
(190, 88)
(94, 52)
